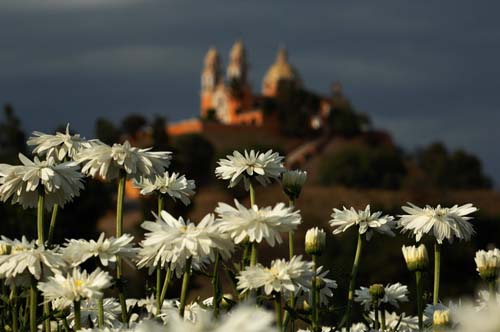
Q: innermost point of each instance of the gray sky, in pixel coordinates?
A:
(423, 70)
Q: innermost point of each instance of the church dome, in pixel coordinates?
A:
(280, 70)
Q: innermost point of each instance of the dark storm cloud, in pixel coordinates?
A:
(425, 71)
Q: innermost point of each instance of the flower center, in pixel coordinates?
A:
(78, 283)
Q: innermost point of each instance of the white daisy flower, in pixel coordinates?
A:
(76, 252)
(484, 297)
(445, 223)
(282, 276)
(257, 224)
(393, 295)
(107, 161)
(76, 286)
(326, 286)
(251, 165)
(146, 325)
(488, 263)
(366, 221)
(247, 318)
(192, 311)
(174, 185)
(148, 304)
(244, 318)
(60, 182)
(469, 319)
(173, 241)
(393, 320)
(60, 147)
(89, 312)
(357, 327)
(323, 329)
(26, 257)
(431, 308)
(292, 182)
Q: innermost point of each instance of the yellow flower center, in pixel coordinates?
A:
(78, 283)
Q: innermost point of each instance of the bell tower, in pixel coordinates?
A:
(211, 77)
(238, 66)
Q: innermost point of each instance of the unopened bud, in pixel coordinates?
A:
(416, 258)
(315, 241)
(441, 318)
(225, 302)
(377, 291)
(488, 264)
(4, 249)
(306, 306)
(292, 182)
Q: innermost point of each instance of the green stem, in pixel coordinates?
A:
(291, 301)
(352, 282)
(277, 310)
(291, 248)
(27, 309)
(119, 228)
(252, 195)
(100, 312)
(216, 286)
(253, 255)
(314, 302)
(377, 321)
(52, 226)
(46, 314)
(33, 303)
(418, 280)
(185, 287)
(161, 203)
(166, 282)
(437, 272)
(78, 318)
(13, 303)
(246, 253)
(39, 214)
(493, 289)
(382, 317)
(119, 203)
(158, 286)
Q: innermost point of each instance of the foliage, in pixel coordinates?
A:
(132, 124)
(455, 170)
(12, 137)
(106, 131)
(363, 167)
(193, 156)
(294, 107)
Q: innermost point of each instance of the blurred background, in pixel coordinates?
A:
(381, 103)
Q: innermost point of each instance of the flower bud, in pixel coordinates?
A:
(306, 306)
(441, 318)
(292, 182)
(377, 291)
(315, 241)
(4, 249)
(416, 258)
(488, 264)
(226, 301)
